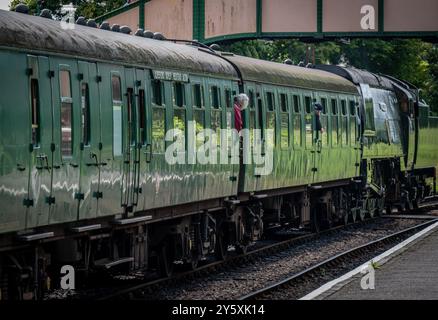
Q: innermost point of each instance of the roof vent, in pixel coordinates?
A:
(288, 61)
(92, 23)
(148, 34)
(22, 8)
(81, 21)
(105, 26)
(215, 47)
(46, 13)
(115, 28)
(139, 32)
(159, 36)
(125, 29)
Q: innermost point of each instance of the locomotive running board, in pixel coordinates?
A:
(107, 264)
(132, 220)
(36, 236)
(86, 228)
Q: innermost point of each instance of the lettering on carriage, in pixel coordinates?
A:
(368, 20)
(170, 76)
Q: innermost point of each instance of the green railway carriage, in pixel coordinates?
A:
(88, 175)
(84, 137)
(282, 98)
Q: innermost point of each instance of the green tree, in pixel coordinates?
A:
(86, 8)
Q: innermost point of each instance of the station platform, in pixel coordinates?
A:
(409, 273)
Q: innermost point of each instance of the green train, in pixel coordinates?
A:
(84, 180)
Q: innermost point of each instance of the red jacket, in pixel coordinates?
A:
(238, 124)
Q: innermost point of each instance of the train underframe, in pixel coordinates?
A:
(29, 271)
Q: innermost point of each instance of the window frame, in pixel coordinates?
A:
(116, 104)
(66, 100)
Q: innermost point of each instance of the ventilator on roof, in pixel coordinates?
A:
(148, 34)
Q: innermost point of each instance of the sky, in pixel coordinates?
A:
(4, 4)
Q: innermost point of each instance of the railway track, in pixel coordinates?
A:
(128, 291)
(279, 289)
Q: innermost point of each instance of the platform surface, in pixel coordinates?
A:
(411, 275)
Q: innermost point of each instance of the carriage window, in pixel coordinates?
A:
(344, 128)
(270, 101)
(35, 103)
(297, 106)
(284, 131)
(198, 96)
(65, 83)
(179, 98)
(369, 117)
(308, 104)
(142, 115)
(283, 103)
(270, 124)
(158, 129)
(66, 114)
(335, 123)
(251, 99)
(117, 115)
(334, 107)
(297, 129)
(216, 123)
(179, 123)
(352, 108)
(228, 98)
(158, 92)
(117, 91)
(215, 97)
(344, 107)
(131, 117)
(199, 119)
(324, 105)
(85, 114)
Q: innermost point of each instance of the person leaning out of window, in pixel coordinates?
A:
(240, 104)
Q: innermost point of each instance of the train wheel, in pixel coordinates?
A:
(242, 249)
(380, 206)
(166, 259)
(192, 264)
(315, 223)
(371, 207)
(388, 209)
(346, 217)
(354, 215)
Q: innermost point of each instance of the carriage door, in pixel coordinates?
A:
(261, 148)
(313, 145)
(130, 138)
(89, 151)
(143, 150)
(320, 137)
(354, 133)
(41, 156)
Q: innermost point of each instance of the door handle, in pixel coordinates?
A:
(319, 146)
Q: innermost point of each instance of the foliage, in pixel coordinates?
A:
(86, 8)
(412, 60)
(409, 59)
